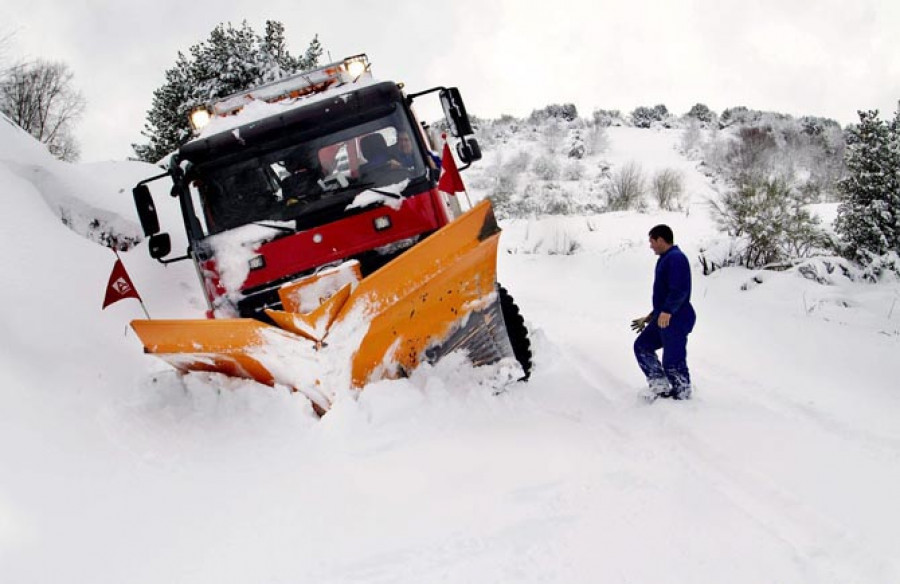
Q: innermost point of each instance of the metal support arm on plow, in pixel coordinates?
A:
(437, 297)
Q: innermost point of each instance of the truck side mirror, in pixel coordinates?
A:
(468, 149)
(455, 112)
(160, 245)
(146, 210)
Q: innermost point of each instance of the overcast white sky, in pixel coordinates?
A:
(817, 57)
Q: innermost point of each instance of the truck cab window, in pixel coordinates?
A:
(308, 173)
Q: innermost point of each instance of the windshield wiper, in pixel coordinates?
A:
(278, 227)
(349, 187)
(387, 194)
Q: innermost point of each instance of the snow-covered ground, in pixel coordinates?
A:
(784, 468)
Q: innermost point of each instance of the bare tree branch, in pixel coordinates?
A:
(40, 98)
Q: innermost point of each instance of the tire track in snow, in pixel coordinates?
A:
(811, 537)
(781, 403)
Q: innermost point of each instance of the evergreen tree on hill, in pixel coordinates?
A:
(702, 113)
(868, 221)
(230, 60)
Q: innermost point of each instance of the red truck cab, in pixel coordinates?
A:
(340, 170)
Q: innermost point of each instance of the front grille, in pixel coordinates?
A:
(256, 300)
(253, 305)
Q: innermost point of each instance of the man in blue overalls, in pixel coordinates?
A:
(668, 326)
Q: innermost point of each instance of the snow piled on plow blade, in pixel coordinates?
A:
(437, 298)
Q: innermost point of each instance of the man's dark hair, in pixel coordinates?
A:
(664, 232)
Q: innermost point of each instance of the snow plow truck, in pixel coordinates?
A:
(327, 254)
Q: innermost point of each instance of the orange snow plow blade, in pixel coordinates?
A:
(414, 302)
(207, 345)
(437, 297)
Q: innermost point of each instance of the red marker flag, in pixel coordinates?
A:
(120, 286)
(450, 181)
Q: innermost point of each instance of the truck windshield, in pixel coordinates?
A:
(311, 176)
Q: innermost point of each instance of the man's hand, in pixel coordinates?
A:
(638, 324)
(664, 318)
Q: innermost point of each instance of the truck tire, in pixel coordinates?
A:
(515, 328)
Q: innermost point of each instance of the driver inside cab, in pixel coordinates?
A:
(381, 158)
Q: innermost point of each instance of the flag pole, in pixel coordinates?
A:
(139, 299)
(468, 200)
(147, 314)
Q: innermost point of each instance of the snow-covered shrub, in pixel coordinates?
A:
(701, 113)
(556, 200)
(828, 270)
(547, 198)
(545, 167)
(518, 162)
(737, 115)
(565, 111)
(742, 116)
(817, 126)
(750, 157)
(770, 223)
(883, 267)
(604, 170)
(560, 241)
(502, 197)
(576, 148)
(807, 153)
(573, 170)
(502, 183)
(552, 237)
(540, 198)
(607, 118)
(644, 117)
(626, 189)
(668, 189)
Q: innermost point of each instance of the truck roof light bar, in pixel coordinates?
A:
(297, 85)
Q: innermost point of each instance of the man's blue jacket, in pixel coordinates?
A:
(672, 288)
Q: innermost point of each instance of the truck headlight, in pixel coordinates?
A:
(356, 66)
(257, 262)
(382, 223)
(200, 118)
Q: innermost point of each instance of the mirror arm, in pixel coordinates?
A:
(152, 178)
(412, 96)
(173, 260)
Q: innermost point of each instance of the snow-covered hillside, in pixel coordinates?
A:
(784, 468)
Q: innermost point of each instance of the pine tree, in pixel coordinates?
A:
(868, 221)
(230, 60)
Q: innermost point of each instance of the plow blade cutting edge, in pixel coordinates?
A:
(438, 297)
